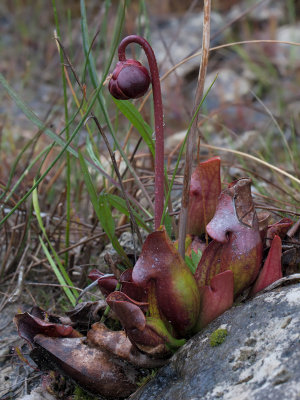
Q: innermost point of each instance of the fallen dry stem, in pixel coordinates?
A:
(278, 210)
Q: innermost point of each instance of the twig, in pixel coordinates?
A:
(70, 65)
(192, 136)
(293, 230)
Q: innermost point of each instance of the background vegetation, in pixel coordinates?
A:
(60, 204)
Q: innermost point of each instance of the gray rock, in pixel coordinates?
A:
(38, 394)
(264, 12)
(287, 57)
(126, 242)
(229, 86)
(181, 36)
(259, 359)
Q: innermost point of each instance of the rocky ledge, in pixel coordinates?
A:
(259, 358)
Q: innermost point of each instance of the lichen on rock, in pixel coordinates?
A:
(218, 337)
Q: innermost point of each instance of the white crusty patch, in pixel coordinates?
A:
(293, 297)
(235, 392)
(224, 326)
(273, 297)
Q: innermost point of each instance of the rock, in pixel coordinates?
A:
(268, 9)
(182, 36)
(38, 394)
(258, 360)
(229, 86)
(287, 57)
(126, 242)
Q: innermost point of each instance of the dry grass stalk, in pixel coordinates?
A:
(192, 136)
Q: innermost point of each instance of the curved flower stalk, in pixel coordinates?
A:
(176, 290)
(205, 188)
(237, 244)
(130, 80)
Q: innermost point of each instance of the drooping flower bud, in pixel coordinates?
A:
(129, 80)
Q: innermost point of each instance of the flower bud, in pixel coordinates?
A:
(129, 80)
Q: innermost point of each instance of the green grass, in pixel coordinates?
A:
(60, 199)
(71, 154)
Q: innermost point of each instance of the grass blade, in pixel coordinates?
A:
(59, 271)
(68, 159)
(134, 116)
(57, 139)
(102, 210)
(120, 204)
(33, 117)
(58, 274)
(20, 179)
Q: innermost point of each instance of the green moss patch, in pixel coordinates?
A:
(218, 337)
(81, 394)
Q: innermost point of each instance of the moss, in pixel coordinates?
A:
(148, 377)
(218, 337)
(81, 394)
